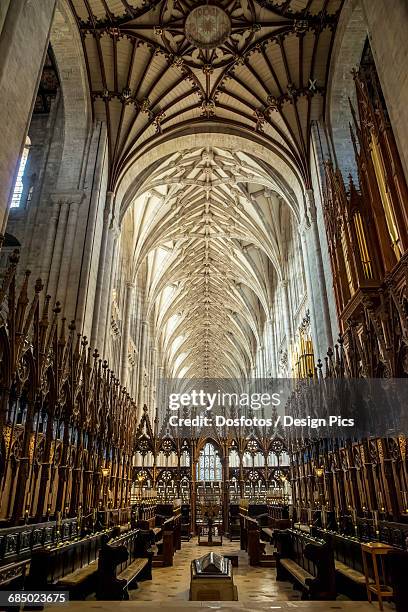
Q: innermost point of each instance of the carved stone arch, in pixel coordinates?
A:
(347, 52)
(67, 47)
(210, 440)
(289, 184)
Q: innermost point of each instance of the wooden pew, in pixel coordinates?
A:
(348, 563)
(169, 541)
(185, 522)
(18, 542)
(233, 522)
(251, 542)
(72, 566)
(122, 559)
(278, 518)
(307, 561)
(13, 575)
(398, 566)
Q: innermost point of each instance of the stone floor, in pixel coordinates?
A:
(257, 589)
(254, 584)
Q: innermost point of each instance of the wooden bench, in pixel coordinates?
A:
(276, 518)
(398, 566)
(168, 541)
(267, 533)
(185, 522)
(121, 560)
(252, 543)
(308, 562)
(348, 563)
(71, 566)
(13, 575)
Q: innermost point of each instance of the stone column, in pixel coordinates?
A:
(314, 261)
(271, 349)
(287, 321)
(109, 202)
(63, 280)
(91, 224)
(55, 254)
(49, 241)
(107, 286)
(161, 390)
(126, 329)
(261, 361)
(67, 274)
(309, 286)
(23, 45)
(142, 357)
(153, 382)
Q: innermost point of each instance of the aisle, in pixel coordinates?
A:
(255, 584)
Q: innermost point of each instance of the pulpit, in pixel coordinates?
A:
(212, 579)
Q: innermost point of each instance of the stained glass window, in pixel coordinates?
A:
(209, 465)
(18, 187)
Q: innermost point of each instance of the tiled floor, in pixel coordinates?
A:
(257, 589)
(254, 584)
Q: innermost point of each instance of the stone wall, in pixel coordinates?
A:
(23, 44)
(387, 22)
(319, 153)
(384, 22)
(347, 52)
(60, 228)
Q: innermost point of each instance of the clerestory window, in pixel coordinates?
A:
(19, 186)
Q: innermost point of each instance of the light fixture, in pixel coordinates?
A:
(319, 471)
(105, 472)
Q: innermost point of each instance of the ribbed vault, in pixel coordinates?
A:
(207, 228)
(158, 66)
(211, 228)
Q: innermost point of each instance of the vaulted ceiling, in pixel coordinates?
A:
(208, 226)
(213, 232)
(156, 67)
